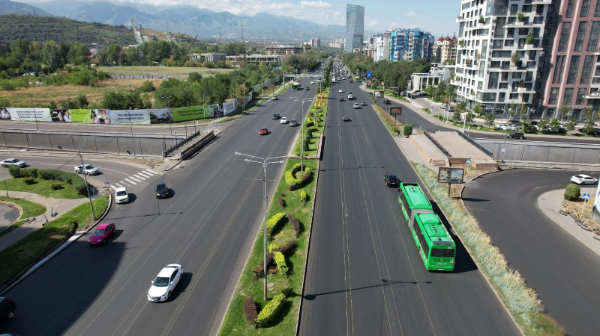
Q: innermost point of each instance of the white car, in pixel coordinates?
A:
(87, 169)
(583, 179)
(341, 91)
(121, 195)
(13, 162)
(356, 105)
(312, 82)
(162, 287)
(283, 120)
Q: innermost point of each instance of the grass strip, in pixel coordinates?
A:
(321, 104)
(12, 227)
(285, 322)
(42, 187)
(522, 302)
(36, 245)
(390, 123)
(29, 208)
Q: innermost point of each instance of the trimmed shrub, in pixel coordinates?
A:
(281, 201)
(258, 271)
(407, 129)
(29, 180)
(309, 124)
(281, 265)
(288, 247)
(30, 172)
(290, 179)
(303, 195)
(274, 220)
(306, 175)
(295, 224)
(273, 247)
(56, 186)
(269, 312)
(573, 192)
(14, 171)
(250, 311)
(81, 187)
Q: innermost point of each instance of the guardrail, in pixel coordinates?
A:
(474, 143)
(180, 144)
(437, 144)
(186, 153)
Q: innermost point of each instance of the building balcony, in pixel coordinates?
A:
(516, 24)
(511, 68)
(594, 95)
(541, 2)
(530, 47)
(460, 19)
(525, 90)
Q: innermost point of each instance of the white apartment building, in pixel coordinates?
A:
(382, 47)
(490, 33)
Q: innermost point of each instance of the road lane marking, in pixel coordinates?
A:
(146, 175)
(130, 181)
(140, 176)
(135, 179)
(113, 187)
(151, 171)
(118, 185)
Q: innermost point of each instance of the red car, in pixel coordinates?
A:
(263, 131)
(101, 233)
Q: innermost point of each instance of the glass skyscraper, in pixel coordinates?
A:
(355, 27)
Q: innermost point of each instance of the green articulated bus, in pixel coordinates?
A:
(436, 247)
(295, 86)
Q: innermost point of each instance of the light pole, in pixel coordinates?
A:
(303, 120)
(170, 113)
(131, 129)
(265, 162)
(86, 184)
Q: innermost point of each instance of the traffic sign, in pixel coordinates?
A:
(362, 74)
(586, 196)
(468, 161)
(369, 75)
(431, 107)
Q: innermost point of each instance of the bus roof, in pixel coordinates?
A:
(414, 196)
(434, 230)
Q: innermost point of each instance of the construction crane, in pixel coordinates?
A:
(191, 45)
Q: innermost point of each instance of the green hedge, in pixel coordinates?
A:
(573, 192)
(269, 312)
(273, 247)
(274, 220)
(303, 195)
(280, 260)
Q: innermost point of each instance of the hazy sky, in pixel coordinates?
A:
(435, 16)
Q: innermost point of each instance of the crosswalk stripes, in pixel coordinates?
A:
(130, 181)
(134, 179)
(146, 175)
(139, 177)
(151, 171)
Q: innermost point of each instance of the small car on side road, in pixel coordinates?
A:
(13, 162)
(161, 190)
(121, 195)
(101, 234)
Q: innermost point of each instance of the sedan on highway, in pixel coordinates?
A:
(283, 120)
(356, 105)
(583, 179)
(263, 131)
(346, 118)
(13, 162)
(341, 91)
(101, 234)
(87, 169)
(391, 180)
(121, 195)
(166, 280)
(161, 190)
(363, 104)
(516, 135)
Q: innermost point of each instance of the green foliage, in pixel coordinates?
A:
(194, 77)
(571, 125)
(514, 58)
(4, 102)
(274, 220)
(590, 119)
(529, 39)
(281, 265)
(273, 247)
(71, 178)
(573, 192)
(124, 101)
(147, 86)
(528, 127)
(14, 171)
(490, 119)
(543, 123)
(564, 109)
(269, 312)
(478, 109)
(554, 124)
(520, 16)
(456, 115)
(56, 186)
(303, 195)
(30, 172)
(407, 129)
(29, 180)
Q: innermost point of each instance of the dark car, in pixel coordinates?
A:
(307, 88)
(391, 180)
(346, 118)
(341, 99)
(276, 116)
(7, 308)
(516, 135)
(386, 101)
(161, 190)
(363, 104)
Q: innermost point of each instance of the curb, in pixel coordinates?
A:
(51, 254)
(16, 206)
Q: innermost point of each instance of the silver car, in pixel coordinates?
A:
(13, 162)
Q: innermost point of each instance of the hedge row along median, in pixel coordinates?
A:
(520, 300)
(287, 243)
(47, 182)
(314, 123)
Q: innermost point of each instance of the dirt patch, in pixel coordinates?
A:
(577, 206)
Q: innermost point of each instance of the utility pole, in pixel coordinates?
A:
(131, 129)
(87, 185)
(37, 128)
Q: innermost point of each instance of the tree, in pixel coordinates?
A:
(522, 111)
(543, 124)
(514, 58)
(82, 101)
(590, 119)
(563, 110)
(469, 116)
(456, 115)
(52, 57)
(240, 90)
(478, 109)
(554, 124)
(512, 110)
(490, 119)
(194, 77)
(571, 125)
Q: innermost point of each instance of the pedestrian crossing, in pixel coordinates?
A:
(132, 180)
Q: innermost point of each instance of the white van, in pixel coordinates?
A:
(350, 96)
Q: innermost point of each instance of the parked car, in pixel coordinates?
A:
(516, 135)
(583, 179)
(283, 120)
(121, 195)
(293, 123)
(101, 234)
(500, 126)
(346, 118)
(165, 282)
(444, 106)
(356, 105)
(161, 190)
(488, 108)
(386, 101)
(13, 162)
(307, 88)
(363, 104)
(391, 180)
(276, 116)
(263, 131)
(7, 308)
(274, 98)
(450, 108)
(87, 169)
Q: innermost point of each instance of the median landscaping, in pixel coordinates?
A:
(46, 182)
(313, 126)
(40, 242)
(288, 225)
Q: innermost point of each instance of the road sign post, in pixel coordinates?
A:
(468, 164)
(586, 197)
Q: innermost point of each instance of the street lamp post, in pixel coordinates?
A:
(302, 121)
(170, 113)
(244, 101)
(131, 129)
(265, 162)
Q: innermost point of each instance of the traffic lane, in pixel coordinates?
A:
(556, 265)
(162, 129)
(144, 229)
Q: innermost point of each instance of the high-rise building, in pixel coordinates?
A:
(355, 27)
(572, 48)
(410, 44)
(446, 48)
(500, 49)
(382, 45)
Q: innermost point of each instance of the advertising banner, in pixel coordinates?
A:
(160, 116)
(4, 113)
(78, 116)
(126, 116)
(450, 175)
(29, 114)
(188, 113)
(229, 106)
(396, 110)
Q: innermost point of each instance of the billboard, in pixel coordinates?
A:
(229, 106)
(395, 110)
(189, 113)
(29, 114)
(450, 175)
(118, 117)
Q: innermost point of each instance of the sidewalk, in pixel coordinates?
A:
(550, 202)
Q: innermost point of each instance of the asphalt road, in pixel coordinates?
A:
(364, 274)
(557, 266)
(207, 224)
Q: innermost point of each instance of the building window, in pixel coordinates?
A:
(501, 96)
(585, 8)
(514, 8)
(558, 69)
(593, 40)
(509, 43)
(538, 19)
(587, 69)
(570, 8)
(526, 8)
(564, 36)
(597, 11)
(516, 75)
(479, 85)
(568, 95)
(503, 86)
(573, 69)
(553, 96)
(493, 81)
(539, 10)
(501, 53)
(580, 35)
(513, 96)
(489, 97)
(523, 31)
(580, 96)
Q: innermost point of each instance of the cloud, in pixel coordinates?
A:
(411, 13)
(372, 23)
(314, 4)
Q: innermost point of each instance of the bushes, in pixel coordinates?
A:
(289, 247)
(407, 129)
(290, 179)
(273, 247)
(14, 171)
(303, 196)
(56, 186)
(274, 220)
(294, 182)
(30, 172)
(29, 180)
(573, 192)
(269, 312)
(281, 265)
(295, 224)
(281, 201)
(71, 178)
(250, 312)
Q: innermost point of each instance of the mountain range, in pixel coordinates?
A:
(184, 19)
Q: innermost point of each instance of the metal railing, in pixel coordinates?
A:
(474, 143)
(180, 144)
(437, 144)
